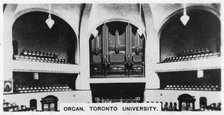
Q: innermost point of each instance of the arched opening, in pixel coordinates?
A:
(186, 102)
(203, 102)
(34, 41)
(33, 104)
(117, 50)
(49, 103)
(201, 36)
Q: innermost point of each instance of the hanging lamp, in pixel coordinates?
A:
(184, 18)
(49, 21)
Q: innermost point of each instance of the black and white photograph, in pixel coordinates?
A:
(136, 57)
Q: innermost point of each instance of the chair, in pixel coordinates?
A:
(117, 60)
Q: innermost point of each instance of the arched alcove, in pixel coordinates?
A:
(117, 50)
(201, 31)
(30, 32)
(33, 104)
(203, 102)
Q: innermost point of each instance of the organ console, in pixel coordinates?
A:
(121, 54)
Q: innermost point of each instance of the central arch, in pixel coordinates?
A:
(137, 25)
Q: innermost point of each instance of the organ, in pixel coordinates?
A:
(117, 52)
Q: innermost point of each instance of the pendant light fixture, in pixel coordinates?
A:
(184, 18)
(49, 21)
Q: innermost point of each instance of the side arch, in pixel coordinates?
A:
(20, 13)
(189, 8)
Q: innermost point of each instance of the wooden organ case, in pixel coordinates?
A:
(117, 52)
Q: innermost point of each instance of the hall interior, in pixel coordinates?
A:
(112, 53)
